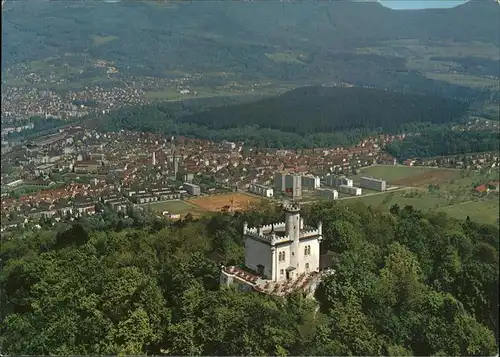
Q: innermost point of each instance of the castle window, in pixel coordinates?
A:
(281, 256)
(282, 272)
(307, 267)
(307, 250)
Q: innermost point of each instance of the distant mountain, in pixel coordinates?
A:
(308, 42)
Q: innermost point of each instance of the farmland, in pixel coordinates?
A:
(235, 201)
(409, 175)
(446, 190)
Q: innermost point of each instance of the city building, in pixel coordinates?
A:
(89, 167)
(261, 190)
(280, 258)
(290, 184)
(373, 183)
(328, 193)
(337, 181)
(192, 189)
(350, 190)
(311, 182)
(188, 177)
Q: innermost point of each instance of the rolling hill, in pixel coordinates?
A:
(321, 110)
(300, 43)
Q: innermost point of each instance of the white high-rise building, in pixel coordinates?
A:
(279, 258)
(311, 181)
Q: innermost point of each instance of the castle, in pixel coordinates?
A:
(280, 258)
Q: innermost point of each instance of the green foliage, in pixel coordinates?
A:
(322, 110)
(304, 117)
(303, 42)
(444, 142)
(403, 283)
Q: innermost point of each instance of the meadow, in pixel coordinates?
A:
(447, 190)
(401, 175)
(484, 211)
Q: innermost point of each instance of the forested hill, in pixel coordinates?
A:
(406, 283)
(307, 41)
(325, 109)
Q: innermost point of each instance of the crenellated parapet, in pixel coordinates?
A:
(310, 233)
(291, 207)
(271, 239)
(265, 229)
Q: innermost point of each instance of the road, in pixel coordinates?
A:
(378, 193)
(399, 189)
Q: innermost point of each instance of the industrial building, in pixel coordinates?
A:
(311, 182)
(373, 183)
(291, 184)
(350, 190)
(337, 181)
(193, 190)
(261, 190)
(328, 193)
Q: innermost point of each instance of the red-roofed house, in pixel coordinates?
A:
(481, 188)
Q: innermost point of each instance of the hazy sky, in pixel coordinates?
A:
(420, 4)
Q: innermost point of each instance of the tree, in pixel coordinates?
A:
(400, 284)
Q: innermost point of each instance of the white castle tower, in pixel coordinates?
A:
(154, 158)
(280, 257)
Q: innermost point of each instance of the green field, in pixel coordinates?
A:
(464, 80)
(484, 211)
(446, 190)
(286, 57)
(408, 175)
(173, 207)
(425, 50)
(413, 197)
(102, 40)
(425, 59)
(492, 110)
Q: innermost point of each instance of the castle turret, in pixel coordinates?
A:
(292, 230)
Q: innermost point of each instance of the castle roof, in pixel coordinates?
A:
(302, 283)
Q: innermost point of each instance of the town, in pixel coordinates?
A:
(78, 171)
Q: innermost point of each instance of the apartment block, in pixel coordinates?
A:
(350, 190)
(291, 184)
(261, 190)
(337, 181)
(311, 182)
(328, 193)
(192, 189)
(373, 183)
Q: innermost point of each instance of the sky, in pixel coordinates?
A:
(420, 4)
